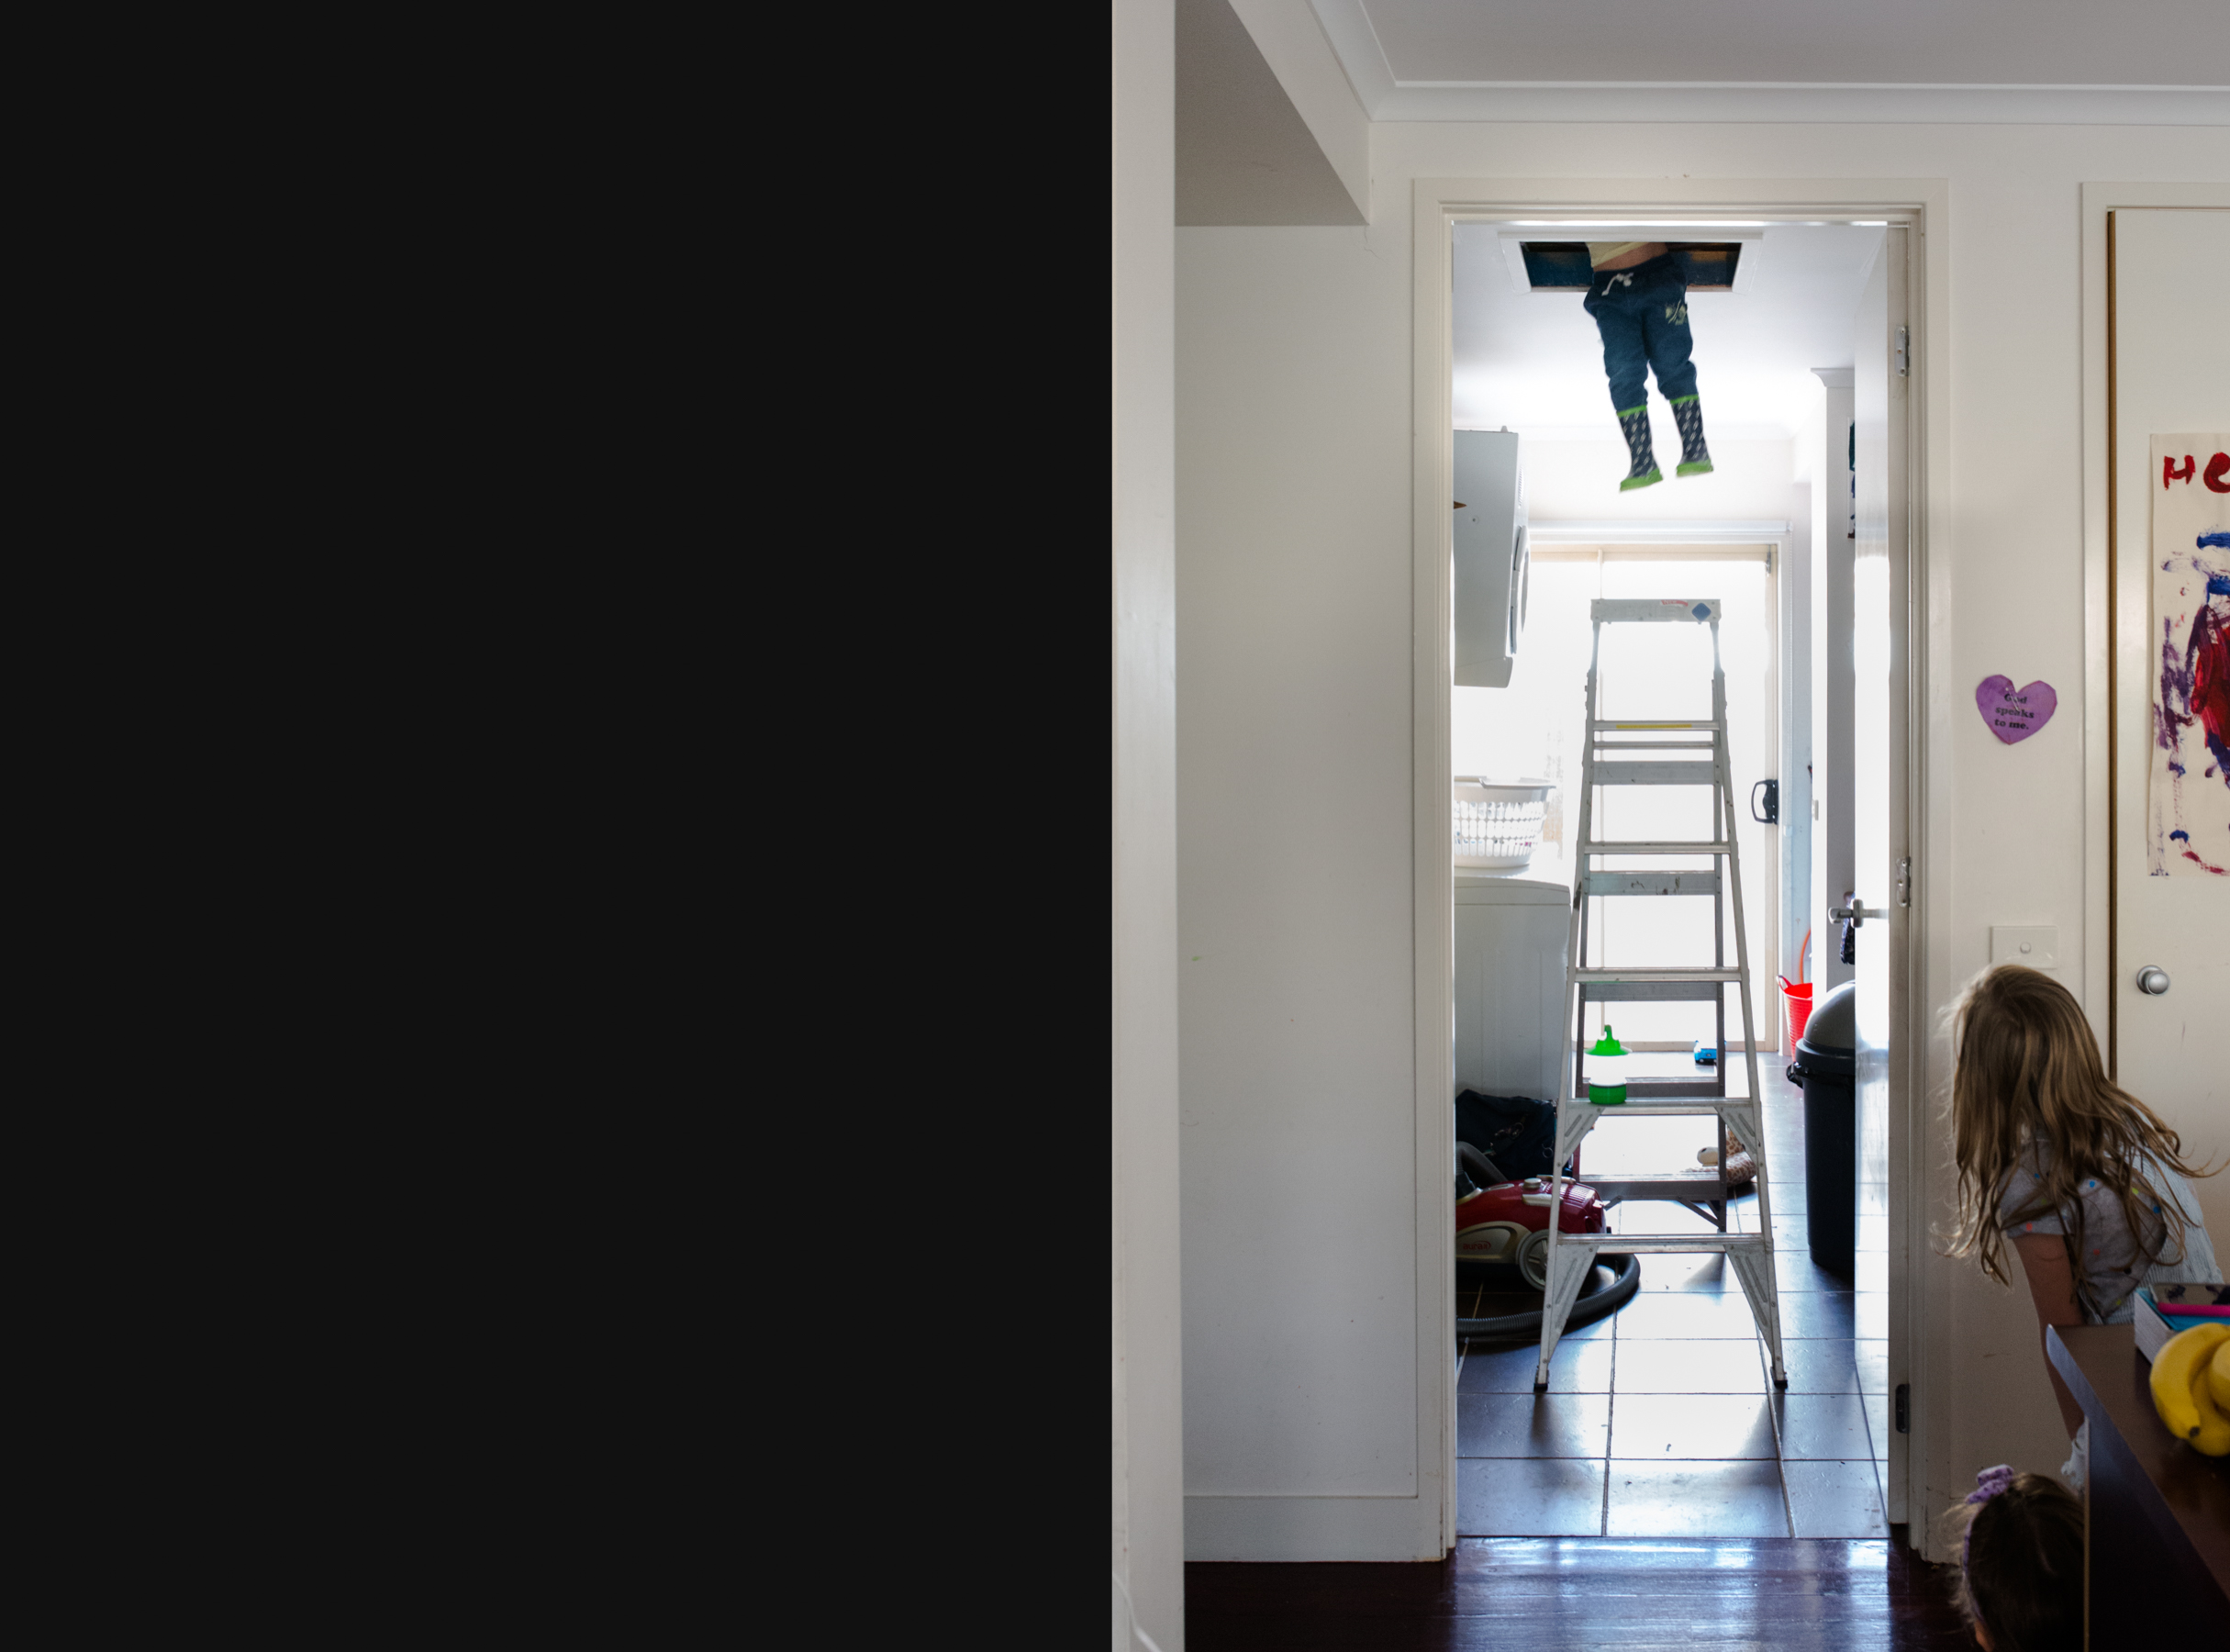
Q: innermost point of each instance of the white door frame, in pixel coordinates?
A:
(2100, 941)
(1924, 205)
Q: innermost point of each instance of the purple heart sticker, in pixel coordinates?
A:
(2014, 714)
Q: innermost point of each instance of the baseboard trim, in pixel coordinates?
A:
(1312, 1528)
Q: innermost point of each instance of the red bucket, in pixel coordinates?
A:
(1796, 999)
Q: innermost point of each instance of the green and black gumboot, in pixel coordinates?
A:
(1635, 421)
(1695, 457)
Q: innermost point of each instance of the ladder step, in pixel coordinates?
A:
(1651, 992)
(1653, 774)
(1714, 1086)
(1689, 1106)
(1666, 1242)
(1650, 883)
(1593, 847)
(1657, 975)
(1656, 746)
(1680, 1186)
(1706, 724)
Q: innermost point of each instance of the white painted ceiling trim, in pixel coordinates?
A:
(1645, 533)
(1384, 98)
(1606, 430)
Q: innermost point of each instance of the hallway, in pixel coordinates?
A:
(1660, 1420)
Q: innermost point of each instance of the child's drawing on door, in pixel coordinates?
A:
(2188, 801)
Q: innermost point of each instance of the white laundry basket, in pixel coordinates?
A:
(1497, 822)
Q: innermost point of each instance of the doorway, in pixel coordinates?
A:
(1829, 1457)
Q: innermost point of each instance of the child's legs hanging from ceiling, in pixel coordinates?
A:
(1665, 330)
(1666, 334)
(1619, 319)
(1625, 345)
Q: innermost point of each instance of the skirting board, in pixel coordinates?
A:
(1312, 1528)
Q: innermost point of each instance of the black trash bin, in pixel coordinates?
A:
(1826, 1064)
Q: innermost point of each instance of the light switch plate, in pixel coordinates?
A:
(2037, 945)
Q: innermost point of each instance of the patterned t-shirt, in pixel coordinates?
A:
(2113, 1264)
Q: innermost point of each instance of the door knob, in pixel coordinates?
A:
(2153, 979)
(1855, 914)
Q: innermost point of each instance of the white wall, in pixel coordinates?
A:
(1293, 747)
(1796, 754)
(1148, 1519)
(1293, 490)
(1573, 479)
(1834, 857)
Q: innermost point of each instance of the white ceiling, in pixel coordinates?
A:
(2147, 62)
(1534, 361)
(1806, 43)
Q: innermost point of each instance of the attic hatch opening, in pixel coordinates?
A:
(1723, 264)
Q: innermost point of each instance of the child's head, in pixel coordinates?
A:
(2020, 1571)
(2027, 1066)
(2026, 1058)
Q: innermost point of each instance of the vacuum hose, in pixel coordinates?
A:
(1595, 1300)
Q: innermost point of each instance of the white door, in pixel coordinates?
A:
(1880, 658)
(2169, 369)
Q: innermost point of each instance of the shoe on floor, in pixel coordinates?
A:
(1742, 1170)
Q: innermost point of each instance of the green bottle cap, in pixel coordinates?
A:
(1608, 1044)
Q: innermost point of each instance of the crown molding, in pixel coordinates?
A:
(1387, 98)
(1814, 105)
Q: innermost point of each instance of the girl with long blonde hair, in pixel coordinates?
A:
(2088, 1182)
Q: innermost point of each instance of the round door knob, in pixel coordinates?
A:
(2154, 979)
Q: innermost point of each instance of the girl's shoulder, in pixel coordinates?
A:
(2018, 1210)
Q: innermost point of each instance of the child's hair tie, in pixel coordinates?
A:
(1987, 1484)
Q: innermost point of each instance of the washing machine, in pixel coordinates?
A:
(1512, 929)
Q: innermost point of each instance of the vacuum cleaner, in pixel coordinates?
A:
(1504, 1224)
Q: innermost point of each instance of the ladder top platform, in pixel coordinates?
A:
(1664, 610)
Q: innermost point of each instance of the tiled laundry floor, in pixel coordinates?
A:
(1660, 1420)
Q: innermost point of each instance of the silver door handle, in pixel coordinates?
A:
(1854, 914)
(2153, 979)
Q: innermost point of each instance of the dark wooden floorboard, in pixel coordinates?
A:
(1630, 1595)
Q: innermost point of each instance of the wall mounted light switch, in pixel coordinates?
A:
(2037, 945)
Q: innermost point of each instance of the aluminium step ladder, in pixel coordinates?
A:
(1621, 754)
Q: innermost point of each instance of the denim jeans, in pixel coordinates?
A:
(1642, 314)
